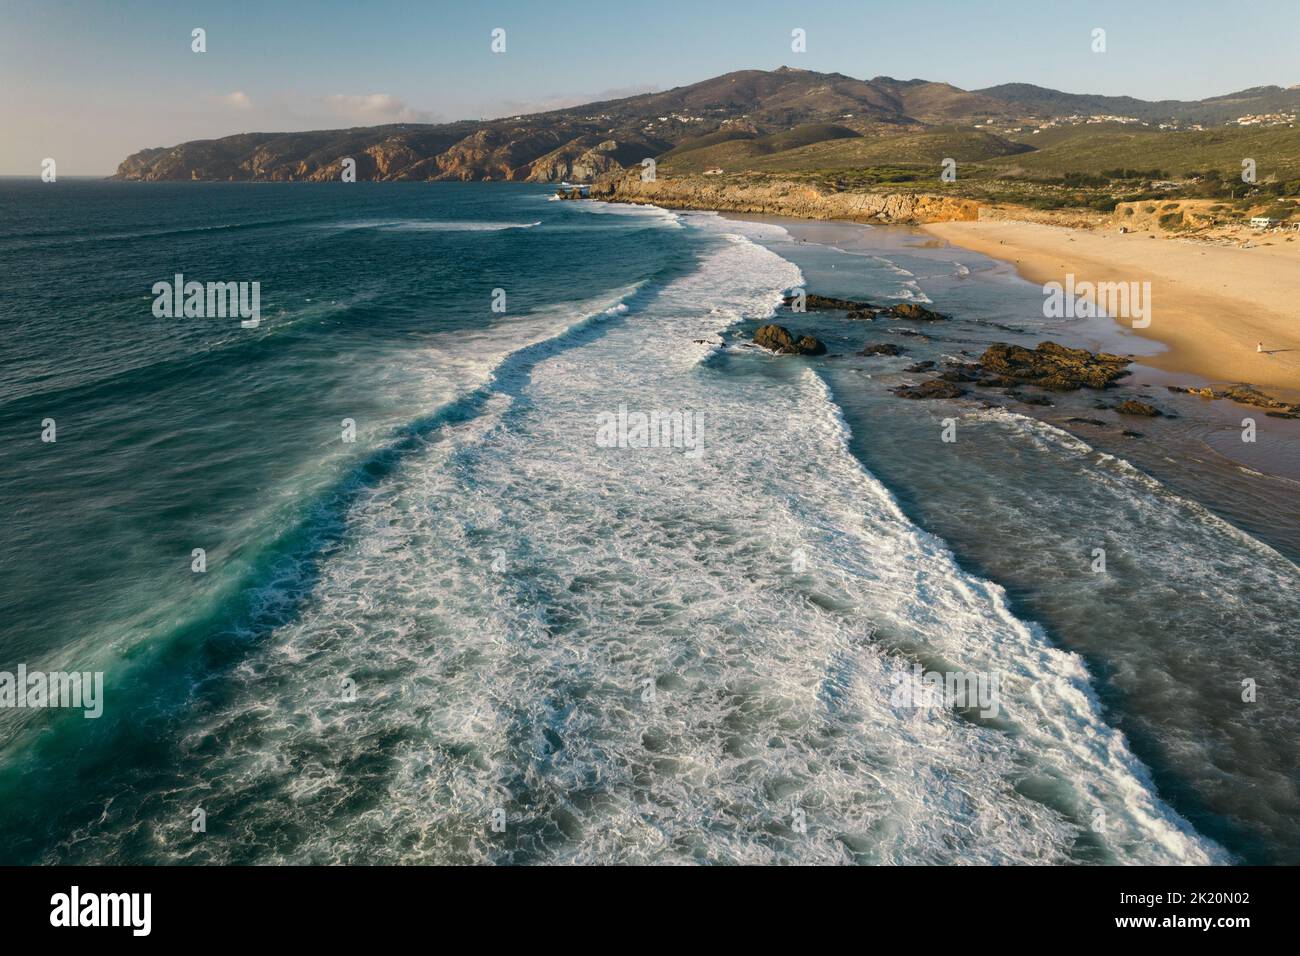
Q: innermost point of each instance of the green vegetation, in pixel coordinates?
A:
(1280, 211)
(824, 147)
(739, 149)
(1085, 167)
(1103, 147)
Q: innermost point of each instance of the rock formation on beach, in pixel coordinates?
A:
(1050, 366)
(1131, 406)
(1245, 394)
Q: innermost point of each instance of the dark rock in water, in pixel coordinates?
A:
(912, 332)
(882, 348)
(778, 339)
(916, 313)
(859, 314)
(1129, 434)
(962, 372)
(1085, 421)
(825, 302)
(1029, 399)
(808, 345)
(774, 337)
(920, 367)
(935, 388)
(1245, 395)
(1132, 406)
(1051, 366)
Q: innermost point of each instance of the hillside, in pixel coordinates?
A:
(579, 142)
(759, 120)
(1041, 102)
(925, 147)
(1275, 149)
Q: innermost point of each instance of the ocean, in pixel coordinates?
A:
(401, 575)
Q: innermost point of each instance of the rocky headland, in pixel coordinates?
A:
(783, 198)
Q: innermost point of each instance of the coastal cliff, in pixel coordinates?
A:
(782, 198)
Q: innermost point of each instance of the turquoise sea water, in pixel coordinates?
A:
(477, 611)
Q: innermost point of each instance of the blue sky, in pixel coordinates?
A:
(90, 82)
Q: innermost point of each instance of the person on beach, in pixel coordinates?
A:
(1259, 346)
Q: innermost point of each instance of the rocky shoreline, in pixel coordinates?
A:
(783, 198)
(1244, 394)
(1048, 366)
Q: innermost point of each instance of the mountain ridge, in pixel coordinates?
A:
(586, 141)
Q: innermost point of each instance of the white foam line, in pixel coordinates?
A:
(1073, 443)
(1079, 729)
(485, 688)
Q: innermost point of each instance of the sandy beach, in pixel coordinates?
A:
(1211, 304)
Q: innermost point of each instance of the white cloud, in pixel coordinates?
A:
(238, 100)
(374, 108)
(566, 101)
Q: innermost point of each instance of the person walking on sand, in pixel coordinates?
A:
(1259, 346)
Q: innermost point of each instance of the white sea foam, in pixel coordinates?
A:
(910, 291)
(643, 212)
(507, 598)
(1112, 469)
(428, 225)
(893, 267)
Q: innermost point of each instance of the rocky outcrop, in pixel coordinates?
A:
(587, 157)
(935, 388)
(1132, 406)
(784, 198)
(1245, 394)
(965, 372)
(823, 303)
(1050, 366)
(882, 348)
(915, 313)
(854, 309)
(1041, 400)
(498, 152)
(547, 148)
(395, 152)
(777, 338)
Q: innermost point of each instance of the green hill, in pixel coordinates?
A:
(1085, 149)
(742, 150)
(835, 151)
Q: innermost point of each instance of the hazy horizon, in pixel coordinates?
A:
(89, 85)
